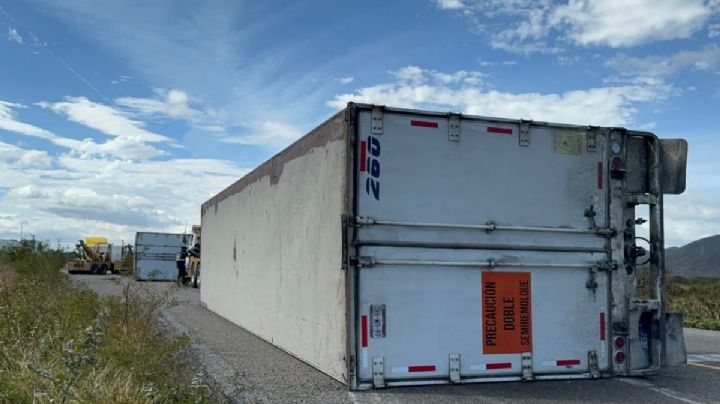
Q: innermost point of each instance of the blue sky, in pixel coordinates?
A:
(121, 116)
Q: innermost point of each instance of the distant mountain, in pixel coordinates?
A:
(701, 258)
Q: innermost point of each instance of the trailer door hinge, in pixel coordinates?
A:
(593, 366)
(524, 138)
(360, 221)
(609, 265)
(378, 368)
(644, 304)
(608, 232)
(454, 368)
(527, 366)
(642, 199)
(377, 121)
(592, 280)
(454, 128)
(491, 226)
(362, 261)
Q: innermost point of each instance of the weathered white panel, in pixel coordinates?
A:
(272, 251)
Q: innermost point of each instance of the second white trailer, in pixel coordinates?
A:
(155, 255)
(400, 247)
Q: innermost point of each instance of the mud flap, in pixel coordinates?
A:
(674, 341)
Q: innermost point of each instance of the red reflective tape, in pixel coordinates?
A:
(602, 326)
(493, 366)
(363, 155)
(502, 131)
(600, 175)
(568, 362)
(421, 368)
(424, 124)
(364, 337)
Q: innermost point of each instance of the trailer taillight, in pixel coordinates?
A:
(619, 342)
(617, 169)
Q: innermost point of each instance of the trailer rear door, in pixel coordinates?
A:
(480, 250)
(155, 255)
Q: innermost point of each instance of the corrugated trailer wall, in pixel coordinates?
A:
(272, 250)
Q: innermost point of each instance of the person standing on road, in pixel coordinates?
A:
(180, 263)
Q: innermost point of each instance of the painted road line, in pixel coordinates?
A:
(662, 390)
(702, 365)
(704, 358)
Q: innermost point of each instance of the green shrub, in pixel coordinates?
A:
(60, 342)
(698, 300)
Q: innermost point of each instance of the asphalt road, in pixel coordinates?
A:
(249, 369)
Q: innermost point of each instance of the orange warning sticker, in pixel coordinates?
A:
(506, 311)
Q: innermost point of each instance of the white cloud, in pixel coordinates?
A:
(666, 65)
(14, 36)
(127, 147)
(103, 118)
(622, 23)
(111, 197)
(346, 80)
(119, 147)
(459, 77)
(35, 158)
(545, 25)
(121, 79)
(450, 4)
(173, 103)
(689, 217)
(8, 151)
(26, 158)
(276, 134)
(485, 63)
(713, 30)
(9, 122)
(417, 88)
(88, 203)
(528, 35)
(415, 75)
(411, 74)
(567, 60)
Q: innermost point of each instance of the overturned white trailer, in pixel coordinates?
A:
(400, 247)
